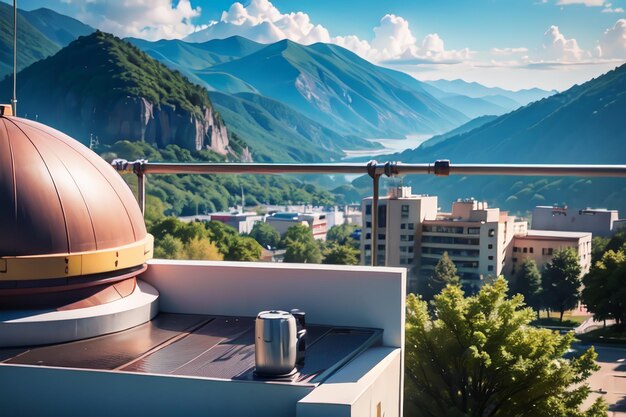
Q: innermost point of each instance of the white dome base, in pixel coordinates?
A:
(40, 327)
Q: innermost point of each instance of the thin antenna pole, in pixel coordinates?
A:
(14, 99)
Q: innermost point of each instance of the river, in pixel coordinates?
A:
(390, 146)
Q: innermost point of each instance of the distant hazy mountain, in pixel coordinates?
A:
(582, 125)
(467, 127)
(197, 56)
(275, 132)
(476, 90)
(335, 87)
(102, 86)
(57, 27)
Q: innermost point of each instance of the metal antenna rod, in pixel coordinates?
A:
(14, 99)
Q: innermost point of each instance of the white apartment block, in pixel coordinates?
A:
(400, 215)
(476, 237)
(600, 222)
(540, 246)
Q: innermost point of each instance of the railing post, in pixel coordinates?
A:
(375, 171)
(141, 184)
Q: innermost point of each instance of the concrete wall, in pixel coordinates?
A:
(329, 294)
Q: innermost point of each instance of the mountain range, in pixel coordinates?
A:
(582, 125)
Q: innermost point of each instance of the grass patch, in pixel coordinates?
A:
(604, 335)
(554, 322)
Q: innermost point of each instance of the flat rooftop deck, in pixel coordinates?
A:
(197, 346)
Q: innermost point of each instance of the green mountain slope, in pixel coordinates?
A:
(275, 132)
(58, 28)
(32, 45)
(102, 86)
(340, 90)
(583, 125)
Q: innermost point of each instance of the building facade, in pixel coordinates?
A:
(540, 245)
(284, 220)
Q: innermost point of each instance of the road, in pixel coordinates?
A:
(611, 378)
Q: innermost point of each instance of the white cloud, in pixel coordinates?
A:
(508, 51)
(263, 22)
(557, 48)
(608, 8)
(588, 3)
(155, 19)
(613, 42)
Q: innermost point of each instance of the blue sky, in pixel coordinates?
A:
(514, 44)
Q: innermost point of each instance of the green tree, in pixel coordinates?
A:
(561, 281)
(300, 245)
(444, 274)
(480, 357)
(341, 234)
(168, 247)
(201, 249)
(265, 234)
(337, 254)
(598, 247)
(605, 288)
(527, 282)
(244, 249)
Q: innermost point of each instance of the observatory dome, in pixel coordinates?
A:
(67, 219)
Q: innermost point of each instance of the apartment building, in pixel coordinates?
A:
(476, 237)
(540, 246)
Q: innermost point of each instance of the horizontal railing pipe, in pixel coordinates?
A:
(439, 168)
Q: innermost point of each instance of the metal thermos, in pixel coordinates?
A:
(279, 342)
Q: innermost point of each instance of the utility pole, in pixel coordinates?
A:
(14, 99)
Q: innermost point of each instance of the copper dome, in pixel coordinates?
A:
(65, 214)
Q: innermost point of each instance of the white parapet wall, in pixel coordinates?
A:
(356, 296)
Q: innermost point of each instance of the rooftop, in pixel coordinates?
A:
(557, 234)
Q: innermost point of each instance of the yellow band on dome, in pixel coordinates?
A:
(20, 268)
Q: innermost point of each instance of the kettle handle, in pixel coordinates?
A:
(301, 347)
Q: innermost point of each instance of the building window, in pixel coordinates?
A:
(368, 209)
(490, 246)
(403, 248)
(405, 211)
(531, 250)
(546, 251)
(411, 226)
(406, 238)
(368, 236)
(410, 249)
(489, 267)
(490, 257)
(368, 225)
(515, 249)
(381, 236)
(525, 250)
(382, 216)
(492, 232)
(403, 226)
(368, 247)
(473, 230)
(381, 247)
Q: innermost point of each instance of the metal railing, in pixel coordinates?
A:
(375, 170)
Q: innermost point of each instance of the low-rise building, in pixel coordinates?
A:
(540, 245)
(600, 222)
(284, 220)
(242, 222)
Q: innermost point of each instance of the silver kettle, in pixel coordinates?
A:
(280, 342)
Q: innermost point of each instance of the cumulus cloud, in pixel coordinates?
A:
(393, 40)
(557, 48)
(613, 42)
(152, 20)
(608, 8)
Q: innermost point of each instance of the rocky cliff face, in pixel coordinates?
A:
(137, 119)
